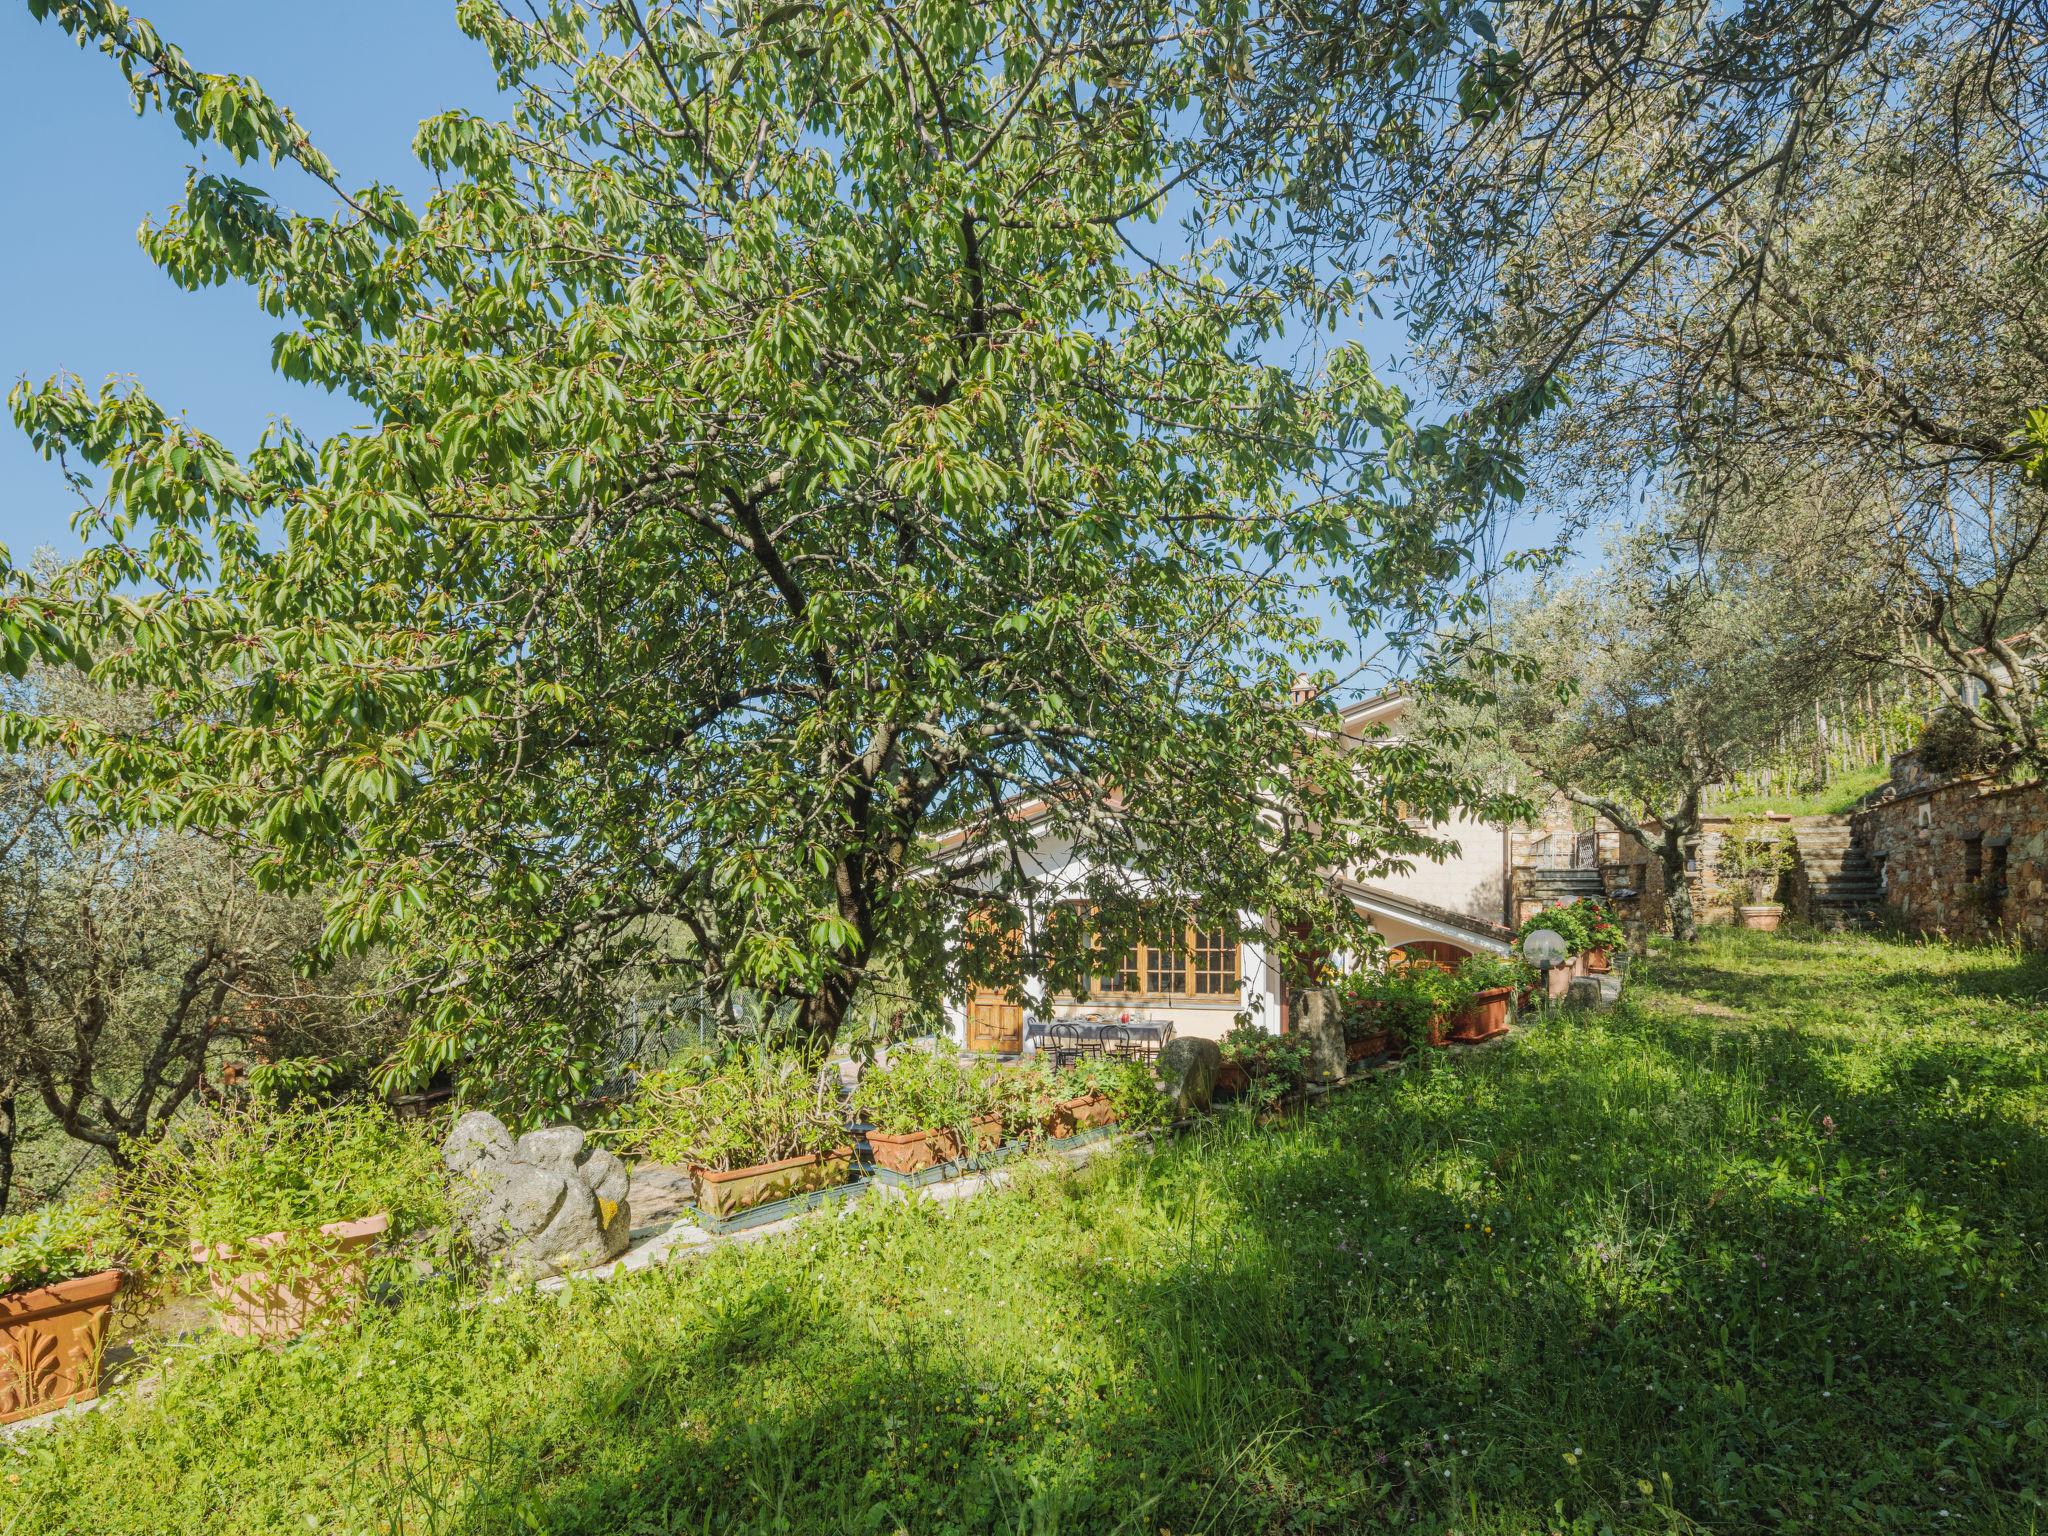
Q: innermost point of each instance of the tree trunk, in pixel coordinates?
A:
(7, 1147)
(1679, 830)
(7, 1124)
(1677, 887)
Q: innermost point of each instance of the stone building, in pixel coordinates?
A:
(1962, 858)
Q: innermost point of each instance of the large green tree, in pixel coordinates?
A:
(791, 436)
(1789, 254)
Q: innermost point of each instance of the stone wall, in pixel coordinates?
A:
(1941, 850)
(1637, 867)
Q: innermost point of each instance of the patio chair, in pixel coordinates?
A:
(1115, 1042)
(1064, 1043)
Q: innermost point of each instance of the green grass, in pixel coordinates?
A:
(1761, 1252)
(1835, 798)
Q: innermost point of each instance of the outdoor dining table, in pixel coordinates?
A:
(1140, 1034)
(1094, 1039)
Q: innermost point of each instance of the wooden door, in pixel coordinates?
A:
(994, 1023)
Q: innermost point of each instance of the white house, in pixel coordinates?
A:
(1448, 908)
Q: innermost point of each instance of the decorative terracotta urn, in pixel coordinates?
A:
(51, 1340)
(1764, 919)
(321, 1284)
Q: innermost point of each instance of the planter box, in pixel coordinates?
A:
(322, 1286)
(1598, 962)
(1764, 919)
(721, 1195)
(1374, 1044)
(919, 1150)
(1486, 1017)
(1089, 1112)
(51, 1339)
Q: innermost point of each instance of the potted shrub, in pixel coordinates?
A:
(281, 1207)
(1106, 1091)
(1755, 857)
(1021, 1095)
(1275, 1067)
(759, 1125)
(1603, 935)
(57, 1286)
(926, 1108)
(1488, 982)
(1362, 999)
(1077, 1105)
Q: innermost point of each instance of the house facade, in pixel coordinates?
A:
(1446, 908)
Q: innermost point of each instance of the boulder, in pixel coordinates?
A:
(1586, 992)
(1319, 1025)
(1188, 1067)
(477, 1137)
(543, 1205)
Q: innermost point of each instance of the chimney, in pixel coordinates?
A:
(1304, 690)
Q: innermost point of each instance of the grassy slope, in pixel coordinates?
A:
(1836, 798)
(1621, 1274)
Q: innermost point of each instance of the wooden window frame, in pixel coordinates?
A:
(1144, 963)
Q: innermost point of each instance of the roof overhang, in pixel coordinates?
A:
(1475, 933)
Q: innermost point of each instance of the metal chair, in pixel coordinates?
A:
(1114, 1041)
(1063, 1040)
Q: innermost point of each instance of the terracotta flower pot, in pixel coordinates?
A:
(1599, 962)
(1559, 984)
(1764, 919)
(1231, 1080)
(1485, 1017)
(320, 1285)
(919, 1150)
(727, 1192)
(51, 1339)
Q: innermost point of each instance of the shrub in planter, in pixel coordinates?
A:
(1021, 1095)
(1275, 1066)
(1603, 933)
(281, 1206)
(1130, 1088)
(1754, 857)
(1490, 982)
(57, 1285)
(1362, 1000)
(925, 1108)
(759, 1125)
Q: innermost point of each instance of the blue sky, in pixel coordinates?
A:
(76, 292)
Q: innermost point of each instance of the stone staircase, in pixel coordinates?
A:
(1842, 889)
(1551, 886)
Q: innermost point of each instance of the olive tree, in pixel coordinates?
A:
(1641, 685)
(135, 960)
